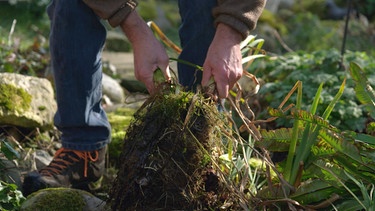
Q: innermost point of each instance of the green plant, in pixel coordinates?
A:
(10, 197)
(324, 166)
(363, 89)
(280, 73)
(5, 148)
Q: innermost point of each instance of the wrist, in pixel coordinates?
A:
(134, 27)
(228, 33)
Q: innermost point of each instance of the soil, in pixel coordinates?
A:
(168, 157)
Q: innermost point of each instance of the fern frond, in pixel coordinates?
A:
(313, 119)
(281, 135)
(276, 112)
(340, 144)
(363, 89)
(319, 151)
(275, 140)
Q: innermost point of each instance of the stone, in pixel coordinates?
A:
(112, 89)
(9, 171)
(26, 101)
(117, 42)
(63, 199)
(42, 158)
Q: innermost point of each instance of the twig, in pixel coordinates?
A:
(345, 30)
(11, 32)
(278, 37)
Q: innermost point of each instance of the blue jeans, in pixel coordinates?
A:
(76, 39)
(196, 33)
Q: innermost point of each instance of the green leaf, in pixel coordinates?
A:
(367, 199)
(312, 191)
(363, 89)
(9, 152)
(275, 140)
(340, 144)
(316, 99)
(349, 205)
(365, 138)
(332, 104)
(313, 119)
(360, 170)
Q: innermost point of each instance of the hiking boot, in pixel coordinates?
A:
(69, 168)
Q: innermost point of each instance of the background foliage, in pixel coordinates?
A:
(313, 57)
(280, 73)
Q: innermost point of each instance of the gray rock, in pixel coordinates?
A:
(63, 199)
(117, 42)
(42, 158)
(112, 89)
(9, 171)
(26, 101)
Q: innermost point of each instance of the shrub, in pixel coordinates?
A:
(280, 74)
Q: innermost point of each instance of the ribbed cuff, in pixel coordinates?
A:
(122, 13)
(237, 25)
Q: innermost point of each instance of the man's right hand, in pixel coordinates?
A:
(149, 53)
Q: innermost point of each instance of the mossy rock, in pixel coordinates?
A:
(14, 99)
(26, 101)
(62, 199)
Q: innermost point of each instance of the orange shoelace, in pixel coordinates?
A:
(64, 158)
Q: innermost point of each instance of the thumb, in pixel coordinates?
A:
(167, 73)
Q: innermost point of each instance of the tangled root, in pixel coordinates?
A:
(168, 154)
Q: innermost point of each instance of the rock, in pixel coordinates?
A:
(133, 85)
(26, 101)
(117, 42)
(63, 199)
(113, 89)
(9, 171)
(42, 158)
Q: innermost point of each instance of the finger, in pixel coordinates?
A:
(222, 87)
(207, 73)
(233, 78)
(150, 85)
(147, 80)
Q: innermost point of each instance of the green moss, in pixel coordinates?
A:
(56, 199)
(42, 108)
(14, 99)
(119, 119)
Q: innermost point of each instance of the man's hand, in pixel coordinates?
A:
(149, 53)
(224, 60)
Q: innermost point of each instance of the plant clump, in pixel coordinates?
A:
(169, 155)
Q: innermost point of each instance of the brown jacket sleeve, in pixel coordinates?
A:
(115, 11)
(242, 15)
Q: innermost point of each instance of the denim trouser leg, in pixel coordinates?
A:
(196, 33)
(76, 40)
